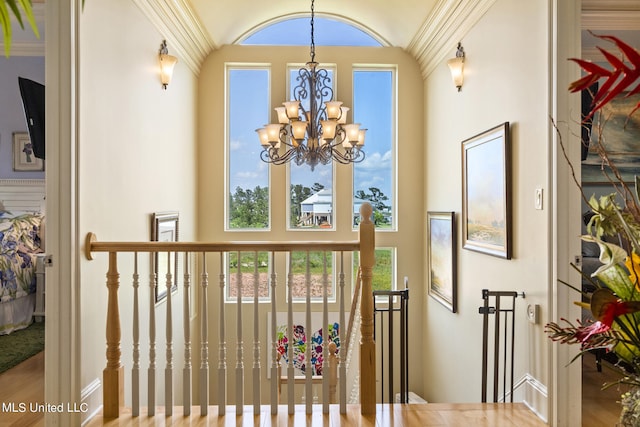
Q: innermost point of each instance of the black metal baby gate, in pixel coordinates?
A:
(507, 369)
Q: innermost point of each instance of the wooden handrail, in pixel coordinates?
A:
(92, 245)
(113, 374)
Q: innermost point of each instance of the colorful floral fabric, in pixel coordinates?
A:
(300, 346)
(19, 242)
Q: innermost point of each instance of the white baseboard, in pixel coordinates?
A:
(532, 393)
(91, 398)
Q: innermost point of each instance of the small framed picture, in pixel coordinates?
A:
(441, 253)
(165, 229)
(486, 200)
(23, 157)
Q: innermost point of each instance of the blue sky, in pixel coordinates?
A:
(373, 91)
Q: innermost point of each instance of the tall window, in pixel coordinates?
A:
(374, 178)
(383, 270)
(247, 176)
(311, 202)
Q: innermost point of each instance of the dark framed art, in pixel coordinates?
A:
(441, 253)
(165, 228)
(486, 188)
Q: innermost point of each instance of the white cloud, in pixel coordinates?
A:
(376, 161)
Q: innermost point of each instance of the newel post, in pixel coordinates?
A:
(367, 343)
(113, 374)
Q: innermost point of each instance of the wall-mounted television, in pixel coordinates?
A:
(32, 94)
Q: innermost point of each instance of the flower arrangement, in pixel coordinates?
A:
(615, 303)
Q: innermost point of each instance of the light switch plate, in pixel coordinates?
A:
(538, 198)
(532, 313)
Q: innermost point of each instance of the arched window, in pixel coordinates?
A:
(327, 32)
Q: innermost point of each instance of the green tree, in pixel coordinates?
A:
(377, 199)
(298, 194)
(249, 208)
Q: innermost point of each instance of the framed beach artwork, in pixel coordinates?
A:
(165, 229)
(619, 135)
(441, 253)
(486, 200)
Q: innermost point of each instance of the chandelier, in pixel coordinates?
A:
(312, 129)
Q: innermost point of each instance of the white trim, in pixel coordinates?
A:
(179, 24)
(565, 379)
(447, 24)
(91, 399)
(62, 335)
(19, 48)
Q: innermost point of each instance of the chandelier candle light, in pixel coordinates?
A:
(317, 135)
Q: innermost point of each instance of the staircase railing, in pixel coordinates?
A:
(113, 374)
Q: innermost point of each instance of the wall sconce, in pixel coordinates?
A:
(456, 66)
(167, 62)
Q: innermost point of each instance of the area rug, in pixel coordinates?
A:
(21, 345)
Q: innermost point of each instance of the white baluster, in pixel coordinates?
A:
(256, 338)
(239, 345)
(343, 349)
(308, 385)
(186, 318)
(168, 371)
(135, 371)
(204, 337)
(274, 342)
(222, 346)
(325, 336)
(151, 372)
(290, 368)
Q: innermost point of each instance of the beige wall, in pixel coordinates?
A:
(140, 157)
(136, 156)
(506, 80)
(211, 179)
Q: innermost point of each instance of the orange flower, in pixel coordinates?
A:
(633, 266)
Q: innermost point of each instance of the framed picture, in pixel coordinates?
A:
(441, 253)
(620, 136)
(486, 188)
(165, 229)
(23, 156)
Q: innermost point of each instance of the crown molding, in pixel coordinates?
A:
(25, 48)
(181, 27)
(608, 19)
(449, 22)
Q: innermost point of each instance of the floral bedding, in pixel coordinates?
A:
(19, 244)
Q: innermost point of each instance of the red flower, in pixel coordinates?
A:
(584, 333)
(606, 307)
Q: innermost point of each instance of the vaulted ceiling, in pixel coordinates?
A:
(428, 29)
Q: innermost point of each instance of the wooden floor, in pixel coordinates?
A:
(25, 384)
(22, 385)
(599, 407)
(429, 414)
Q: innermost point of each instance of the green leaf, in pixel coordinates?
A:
(28, 12)
(5, 22)
(14, 7)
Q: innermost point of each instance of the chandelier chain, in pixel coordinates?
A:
(313, 42)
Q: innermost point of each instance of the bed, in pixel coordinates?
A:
(21, 253)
